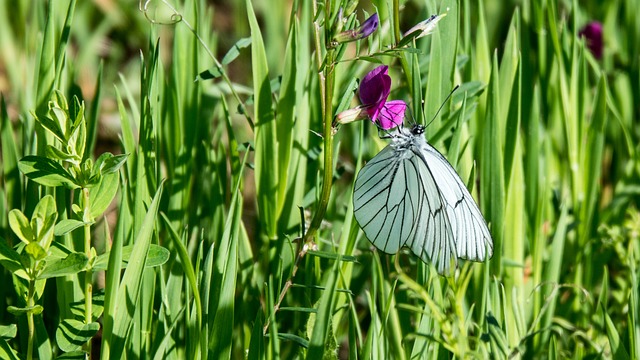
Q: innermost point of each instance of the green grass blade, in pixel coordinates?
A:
(129, 289)
(322, 325)
(224, 283)
(266, 156)
(491, 169)
(285, 119)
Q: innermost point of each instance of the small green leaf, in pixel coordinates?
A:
(35, 251)
(46, 172)
(56, 154)
(156, 256)
(51, 125)
(72, 334)
(35, 310)
(72, 264)
(45, 235)
(73, 355)
(66, 226)
(10, 259)
(295, 338)
(213, 72)
(108, 163)
(45, 208)
(97, 306)
(102, 195)
(20, 226)
(233, 53)
(8, 331)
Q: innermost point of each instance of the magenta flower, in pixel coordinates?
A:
(592, 32)
(374, 90)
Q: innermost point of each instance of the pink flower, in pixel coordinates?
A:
(374, 91)
(592, 32)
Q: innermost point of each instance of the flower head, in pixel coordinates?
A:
(374, 90)
(365, 29)
(592, 32)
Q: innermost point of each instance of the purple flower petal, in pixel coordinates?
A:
(391, 114)
(374, 90)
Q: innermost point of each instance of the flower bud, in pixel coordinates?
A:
(351, 115)
(365, 29)
(592, 32)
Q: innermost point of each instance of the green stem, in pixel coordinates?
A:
(88, 276)
(30, 304)
(328, 147)
(396, 21)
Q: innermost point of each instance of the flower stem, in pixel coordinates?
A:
(327, 179)
(88, 276)
(30, 304)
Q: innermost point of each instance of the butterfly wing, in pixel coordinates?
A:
(397, 202)
(412, 196)
(470, 232)
(381, 206)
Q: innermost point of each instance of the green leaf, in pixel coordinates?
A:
(46, 172)
(72, 334)
(56, 154)
(72, 264)
(35, 310)
(618, 351)
(108, 163)
(35, 251)
(8, 331)
(10, 259)
(156, 256)
(20, 226)
(233, 53)
(66, 226)
(6, 352)
(43, 221)
(296, 339)
(213, 72)
(102, 195)
(74, 355)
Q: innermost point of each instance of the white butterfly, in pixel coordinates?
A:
(409, 195)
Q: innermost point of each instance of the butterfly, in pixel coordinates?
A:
(409, 195)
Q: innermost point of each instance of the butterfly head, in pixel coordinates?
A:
(417, 129)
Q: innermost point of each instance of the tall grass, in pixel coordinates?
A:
(230, 230)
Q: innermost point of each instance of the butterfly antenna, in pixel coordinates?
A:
(441, 106)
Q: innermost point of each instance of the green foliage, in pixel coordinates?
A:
(104, 132)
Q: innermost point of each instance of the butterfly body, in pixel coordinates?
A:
(409, 195)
